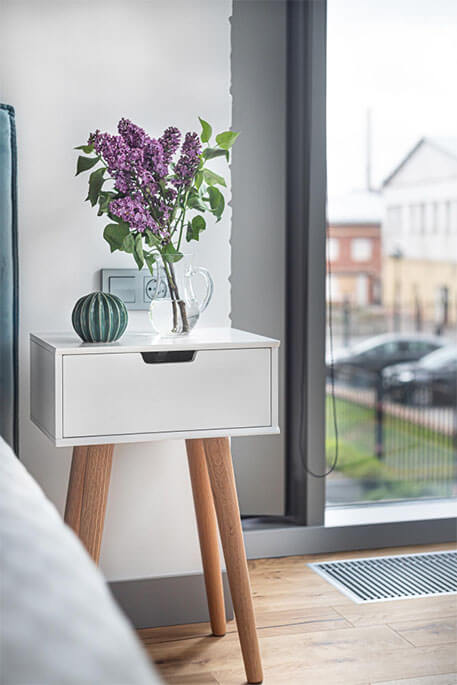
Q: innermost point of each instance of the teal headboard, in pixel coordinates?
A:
(8, 278)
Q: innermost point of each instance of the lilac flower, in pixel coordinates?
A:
(133, 135)
(134, 212)
(163, 210)
(170, 194)
(188, 162)
(123, 182)
(138, 166)
(170, 142)
(154, 158)
(113, 149)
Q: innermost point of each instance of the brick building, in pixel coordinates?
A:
(354, 248)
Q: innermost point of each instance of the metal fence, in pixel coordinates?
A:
(390, 450)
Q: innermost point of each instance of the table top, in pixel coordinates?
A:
(198, 339)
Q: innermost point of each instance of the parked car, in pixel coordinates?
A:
(430, 381)
(375, 353)
(362, 362)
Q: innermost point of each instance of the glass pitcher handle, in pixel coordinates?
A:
(209, 286)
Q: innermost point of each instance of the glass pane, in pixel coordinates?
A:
(392, 250)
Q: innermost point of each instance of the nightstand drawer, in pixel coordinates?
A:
(121, 394)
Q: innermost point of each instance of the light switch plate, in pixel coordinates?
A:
(135, 288)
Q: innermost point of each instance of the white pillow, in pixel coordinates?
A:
(59, 624)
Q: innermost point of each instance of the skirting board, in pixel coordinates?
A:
(174, 600)
(166, 601)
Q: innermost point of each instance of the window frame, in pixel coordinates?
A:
(305, 255)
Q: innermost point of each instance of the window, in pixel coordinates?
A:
(422, 218)
(361, 249)
(417, 218)
(333, 249)
(454, 216)
(421, 347)
(412, 219)
(428, 218)
(385, 452)
(435, 219)
(394, 219)
(447, 217)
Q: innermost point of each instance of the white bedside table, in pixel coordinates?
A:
(204, 387)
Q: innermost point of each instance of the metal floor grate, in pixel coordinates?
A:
(378, 579)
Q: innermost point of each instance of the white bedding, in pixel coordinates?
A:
(59, 624)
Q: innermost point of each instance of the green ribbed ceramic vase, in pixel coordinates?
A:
(99, 317)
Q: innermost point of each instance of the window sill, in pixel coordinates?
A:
(390, 512)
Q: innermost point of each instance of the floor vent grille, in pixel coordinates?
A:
(378, 579)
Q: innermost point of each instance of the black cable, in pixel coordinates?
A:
(332, 383)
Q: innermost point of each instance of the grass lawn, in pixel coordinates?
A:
(416, 462)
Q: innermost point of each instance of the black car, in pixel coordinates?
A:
(432, 381)
(367, 359)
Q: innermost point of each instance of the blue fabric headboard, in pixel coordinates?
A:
(8, 278)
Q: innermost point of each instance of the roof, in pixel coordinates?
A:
(446, 145)
(356, 207)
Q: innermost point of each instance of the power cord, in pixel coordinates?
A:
(332, 383)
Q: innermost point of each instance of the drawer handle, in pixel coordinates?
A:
(169, 356)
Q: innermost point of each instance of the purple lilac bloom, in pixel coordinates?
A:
(123, 182)
(133, 135)
(170, 143)
(113, 149)
(133, 212)
(188, 162)
(171, 194)
(154, 157)
(163, 210)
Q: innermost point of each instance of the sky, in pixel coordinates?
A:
(399, 59)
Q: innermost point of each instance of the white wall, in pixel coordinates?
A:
(68, 68)
(427, 182)
(258, 236)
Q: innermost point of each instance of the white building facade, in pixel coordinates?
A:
(419, 233)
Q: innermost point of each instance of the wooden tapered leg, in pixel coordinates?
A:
(207, 533)
(88, 493)
(220, 469)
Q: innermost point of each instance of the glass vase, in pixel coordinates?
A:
(175, 308)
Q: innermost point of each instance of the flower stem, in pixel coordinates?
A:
(181, 303)
(172, 295)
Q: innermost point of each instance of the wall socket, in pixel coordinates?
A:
(135, 288)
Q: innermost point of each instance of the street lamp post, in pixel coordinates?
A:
(397, 256)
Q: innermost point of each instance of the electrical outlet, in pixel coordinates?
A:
(149, 288)
(135, 288)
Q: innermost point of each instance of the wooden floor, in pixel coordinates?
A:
(312, 634)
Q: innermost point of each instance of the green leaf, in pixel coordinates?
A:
(85, 163)
(87, 149)
(150, 238)
(194, 201)
(96, 182)
(226, 139)
(216, 201)
(195, 227)
(114, 234)
(206, 130)
(150, 259)
(138, 251)
(104, 199)
(171, 254)
(212, 152)
(198, 179)
(212, 179)
(128, 244)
